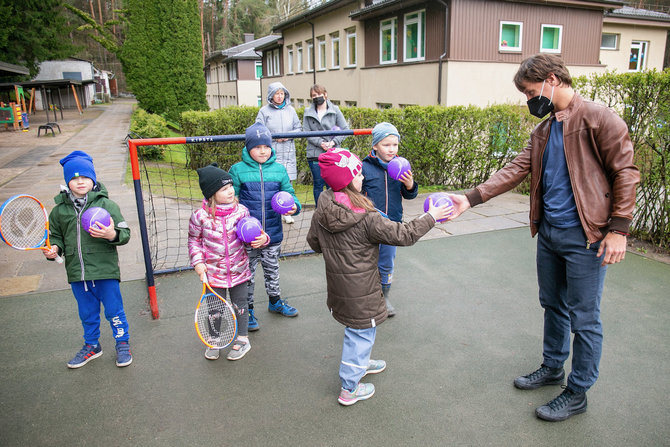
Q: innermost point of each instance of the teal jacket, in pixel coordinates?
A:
(255, 184)
(87, 258)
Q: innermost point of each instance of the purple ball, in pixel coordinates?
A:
(336, 128)
(439, 199)
(397, 167)
(248, 228)
(282, 202)
(93, 215)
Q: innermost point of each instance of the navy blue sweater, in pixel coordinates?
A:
(385, 192)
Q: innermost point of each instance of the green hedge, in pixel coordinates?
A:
(148, 125)
(452, 146)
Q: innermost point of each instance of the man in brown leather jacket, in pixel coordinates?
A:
(583, 180)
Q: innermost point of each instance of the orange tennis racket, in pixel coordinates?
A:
(24, 224)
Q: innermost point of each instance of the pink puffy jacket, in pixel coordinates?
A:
(215, 243)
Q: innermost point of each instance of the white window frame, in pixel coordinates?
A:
(500, 39)
(298, 52)
(335, 50)
(617, 37)
(351, 35)
(310, 54)
(231, 71)
(421, 33)
(321, 53)
(289, 59)
(383, 26)
(560, 38)
(256, 65)
(643, 46)
(275, 60)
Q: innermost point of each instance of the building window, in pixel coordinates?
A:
(351, 48)
(322, 52)
(384, 105)
(310, 55)
(289, 59)
(232, 71)
(275, 59)
(415, 36)
(208, 75)
(387, 41)
(298, 62)
(551, 38)
(609, 41)
(259, 69)
(350, 103)
(510, 36)
(335, 50)
(638, 55)
(260, 101)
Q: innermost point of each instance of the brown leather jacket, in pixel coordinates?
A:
(350, 242)
(599, 155)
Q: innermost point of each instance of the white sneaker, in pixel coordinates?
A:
(288, 219)
(212, 354)
(242, 348)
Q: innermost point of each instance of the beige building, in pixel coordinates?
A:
(233, 75)
(393, 53)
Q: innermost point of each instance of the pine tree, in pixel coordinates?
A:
(162, 56)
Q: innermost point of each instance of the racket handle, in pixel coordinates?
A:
(59, 259)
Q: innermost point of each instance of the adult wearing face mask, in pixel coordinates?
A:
(582, 195)
(279, 116)
(321, 115)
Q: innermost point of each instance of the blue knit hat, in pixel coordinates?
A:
(257, 135)
(383, 130)
(78, 164)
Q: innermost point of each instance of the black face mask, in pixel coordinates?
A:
(540, 105)
(318, 100)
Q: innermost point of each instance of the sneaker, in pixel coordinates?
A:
(87, 353)
(390, 310)
(375, 367)
(281, 307)
(123, 357)
(212, 354)
(288, 219)
(242, 348)
(540, 377)
(567, 404)
(253, 322)
(363, 391)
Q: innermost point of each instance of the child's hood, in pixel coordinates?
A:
(336, 217)
(98, 190)
(246, 157)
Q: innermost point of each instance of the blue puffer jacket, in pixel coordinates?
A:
(385, 192)
(255, 184)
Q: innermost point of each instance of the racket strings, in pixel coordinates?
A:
(215, 321)
(23, 223)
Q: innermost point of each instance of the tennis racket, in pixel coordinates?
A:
(24, 224)
(215, 319)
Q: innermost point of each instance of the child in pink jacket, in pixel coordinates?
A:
(217, 254)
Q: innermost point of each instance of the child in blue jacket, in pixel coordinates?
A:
(256, 179)
(387, 194)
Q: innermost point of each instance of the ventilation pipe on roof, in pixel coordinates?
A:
(441, 60)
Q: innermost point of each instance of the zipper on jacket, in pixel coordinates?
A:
(260, 168)
(386, 193)
(225, 235)
(81, 256)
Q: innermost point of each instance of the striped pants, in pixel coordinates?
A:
(269, 259)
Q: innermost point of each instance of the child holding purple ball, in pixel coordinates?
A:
(217, 254)
(387, 194)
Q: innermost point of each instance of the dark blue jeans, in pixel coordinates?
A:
(571, 281)
(319, 183)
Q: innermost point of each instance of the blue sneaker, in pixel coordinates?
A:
(281, 307)
(87, 353)
(375, 367)
(253, 322)
(123, 357)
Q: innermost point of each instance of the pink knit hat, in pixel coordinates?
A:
(339, 167)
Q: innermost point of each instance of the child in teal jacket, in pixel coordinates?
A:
(256, 179)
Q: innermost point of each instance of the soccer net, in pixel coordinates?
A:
(167, 192)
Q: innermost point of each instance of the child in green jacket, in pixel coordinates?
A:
(91, 261)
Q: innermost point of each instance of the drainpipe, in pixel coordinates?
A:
(441, 60)
(313, 55)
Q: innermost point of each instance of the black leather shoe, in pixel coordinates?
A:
(568, 403)
(541, 377)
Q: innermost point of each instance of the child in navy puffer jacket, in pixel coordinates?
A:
(387, 194)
